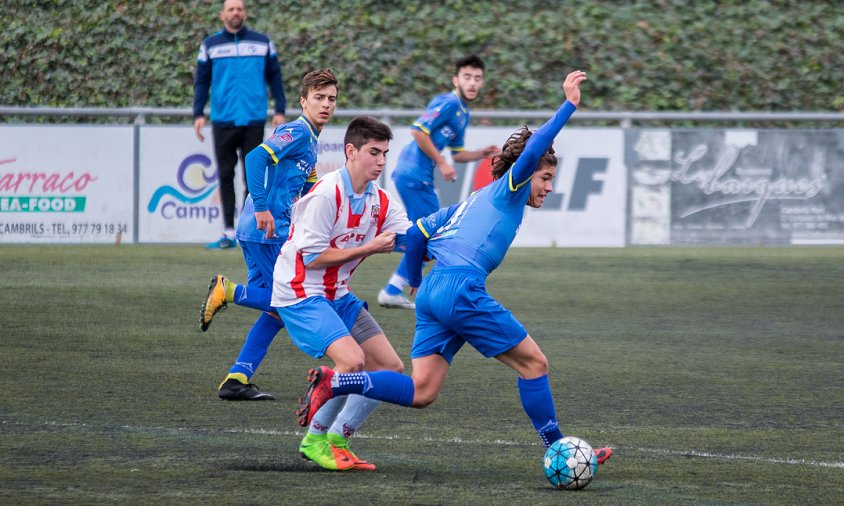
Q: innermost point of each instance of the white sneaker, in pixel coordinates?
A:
(399, 301)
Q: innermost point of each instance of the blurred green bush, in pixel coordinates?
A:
(660, 55)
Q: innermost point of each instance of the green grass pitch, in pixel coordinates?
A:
(716, 374)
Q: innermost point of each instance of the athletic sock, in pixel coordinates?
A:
(391, 289)
(326, 415)
(538, 403)
(257, 342)
(353, 414)
(237, 376)
(252, 296)
(388, 386)
(398, 280)
(230, 289)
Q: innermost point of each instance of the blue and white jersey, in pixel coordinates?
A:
(237, 67)
(445, 121)
(278, 172)
(478, 232)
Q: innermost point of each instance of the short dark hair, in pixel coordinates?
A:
(364, 129)
(470, 60)
(318, 79)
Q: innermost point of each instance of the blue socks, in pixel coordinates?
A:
(397, 388)
(398, 280)
(539, 406)
(254, 297)
(387, 386)
(257, 343)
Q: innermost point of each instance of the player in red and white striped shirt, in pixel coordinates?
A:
(342, 220)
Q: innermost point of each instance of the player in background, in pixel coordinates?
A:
(279, 170)
(238, 81)
(342, 220)
(469, 240)
(443, 124)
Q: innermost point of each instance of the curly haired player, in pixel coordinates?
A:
(469, 240)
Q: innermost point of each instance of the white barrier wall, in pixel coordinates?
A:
(178, 197)
(78, 184)
(66, 184)
(590, 196)
(588, 205)
(736, 186)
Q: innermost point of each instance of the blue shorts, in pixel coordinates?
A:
(316, 322)
(419, 198)
(260, 262)
(453, 308)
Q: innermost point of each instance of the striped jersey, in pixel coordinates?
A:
(331, 216)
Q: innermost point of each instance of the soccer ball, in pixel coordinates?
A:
(570, 463)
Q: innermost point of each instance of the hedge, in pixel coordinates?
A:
(661, 55)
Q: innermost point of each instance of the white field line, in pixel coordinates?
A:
(730, 456)
(677, 453)
(301, 433)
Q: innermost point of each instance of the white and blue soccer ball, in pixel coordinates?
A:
(570, 463)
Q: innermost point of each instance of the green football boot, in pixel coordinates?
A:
(317, 449)
(341, 445)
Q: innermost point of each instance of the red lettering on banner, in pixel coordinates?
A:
(28, 182)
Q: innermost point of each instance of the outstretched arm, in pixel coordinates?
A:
(473, 156)
(543, 138)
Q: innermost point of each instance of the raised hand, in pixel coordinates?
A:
(572, 86)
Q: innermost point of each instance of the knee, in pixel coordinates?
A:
(422, 400)
(536, 366)
(396, 365)
(423, 395)
(350, 363)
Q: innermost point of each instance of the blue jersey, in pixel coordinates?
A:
(478, 232)
(445, 121)
(237, 67)
(278, 171)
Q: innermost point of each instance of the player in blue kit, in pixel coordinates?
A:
(469, 240)
(278, 171)
(442, 125)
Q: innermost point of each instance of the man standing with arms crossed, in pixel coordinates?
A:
(443, 124)
(237, 65)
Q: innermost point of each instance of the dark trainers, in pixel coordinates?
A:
(319, 392)
(222, 243)
(233, 390)
(603, 454)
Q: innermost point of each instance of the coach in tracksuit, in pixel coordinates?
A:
(237, 65)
